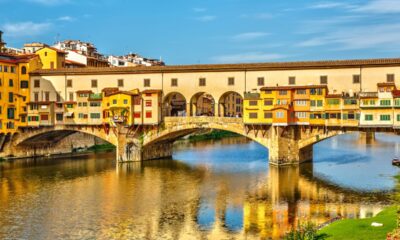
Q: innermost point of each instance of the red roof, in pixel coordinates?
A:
(396, 93)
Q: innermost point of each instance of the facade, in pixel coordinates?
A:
(31, 48)
(132, 59)
(51, 58)
(14, 90)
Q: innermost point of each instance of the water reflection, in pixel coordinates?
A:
(209, 192)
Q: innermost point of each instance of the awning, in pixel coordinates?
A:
(68, 114)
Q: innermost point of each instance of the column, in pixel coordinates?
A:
(128, 150)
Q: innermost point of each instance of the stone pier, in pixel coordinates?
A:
(367, 137)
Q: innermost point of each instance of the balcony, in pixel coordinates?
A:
(252, 95)
(95, 97)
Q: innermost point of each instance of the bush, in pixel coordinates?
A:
(307, 231)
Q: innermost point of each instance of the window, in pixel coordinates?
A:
(95, 116)
(51, 65)
(114, 101)
(385, 102)
(148, 103)
(12, 69)
(260, 81)
(281, 102)
(44, 117)
(319, 103)
(36, 96)
(231, 81)
(323, 80)
(146, 82)
(267, 115)
(137, 101)
(47, 96)
(301, 103)
(282, 92)
(71, 96)
(253, 103)
(333, 101)
(356, 79)
(390, 78)
(24, 84)
(268, 102)
(253, 115)
(202, 82)
(301, 115)
(174, 82)
(301, 91)
(94, 83)
(350, 102)
(10, 83)
(45, 54)
(69, 83)
(10, 97)
(292, 80)
(120, 82)
(369, 117)
(125, 101)
(136, 115)
(312, 103)
(36, 83)
(385, 117)
(70, 105)
(398, 117)
(397, 102)
(23, 70)
(279, 114)
(5, 68)
(148, 114)
(10, 113)
(59, 117)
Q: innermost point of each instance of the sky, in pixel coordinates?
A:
(212, 31)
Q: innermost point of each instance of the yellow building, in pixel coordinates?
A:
(51, 58)
(396, 108)
(317, 104)
(14, 90)
(121, 107)
(333, 110)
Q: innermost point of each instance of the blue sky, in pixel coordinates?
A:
(212, 31)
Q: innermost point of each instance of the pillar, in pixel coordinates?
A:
(188, 112)
(284, 146)
(128, 150)
(367, 137)
(157, 151)
(216, 109)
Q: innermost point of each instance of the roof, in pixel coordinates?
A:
(396, 93)
(12, 58)
(52, 48)
(229, 67)
(152, 91)
(386, 84)
(333, 96)
(292, 87)
(84, 91)
(122, 92)
(70, 62)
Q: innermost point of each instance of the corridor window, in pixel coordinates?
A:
(174, 82)
(146, 82)
(69, 83)
(390, 78)
(94, 83)
(292, 80)
(231, 81)
(202, 82)
(120, 82)
(260, 81)
(36, 83)
(356, 79)
(323, 80)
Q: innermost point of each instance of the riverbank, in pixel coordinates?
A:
(357, 229)
(213, 135)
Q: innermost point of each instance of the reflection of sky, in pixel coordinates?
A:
(248, 157)
(205, 217)
(348, 162)
(234, 218)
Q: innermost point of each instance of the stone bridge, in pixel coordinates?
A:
(286, 144)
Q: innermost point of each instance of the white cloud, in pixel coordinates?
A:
(249, 36)
(362, 37)
(206, 18)
(199, 9)
(247, 57)
(25, 28)
(380, 6)
(331, 5)
(50, 2)
(66, 19)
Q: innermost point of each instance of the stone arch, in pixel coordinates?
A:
(230, 104)
(174, 104)
(203, 104)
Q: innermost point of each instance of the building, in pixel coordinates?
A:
(14, 89)
(132, 59)
(81, 53)
(51, 58)
(2, 43)
(31, 48)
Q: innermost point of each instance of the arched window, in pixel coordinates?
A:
(23, 70)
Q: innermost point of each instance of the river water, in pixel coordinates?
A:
(210, 190)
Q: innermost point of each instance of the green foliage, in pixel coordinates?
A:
(102, 147)
(307, 231)
(2, 159)
(350, 229)
(214, 134)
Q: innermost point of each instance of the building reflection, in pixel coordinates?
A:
(169, 200)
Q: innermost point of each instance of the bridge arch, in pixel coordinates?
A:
(174, 104)
(203, 104)
(230, 104)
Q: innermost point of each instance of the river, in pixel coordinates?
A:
(210, 190)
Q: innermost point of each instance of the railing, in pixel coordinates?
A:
(368, 94)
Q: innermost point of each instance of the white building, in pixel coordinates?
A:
(133, 59)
